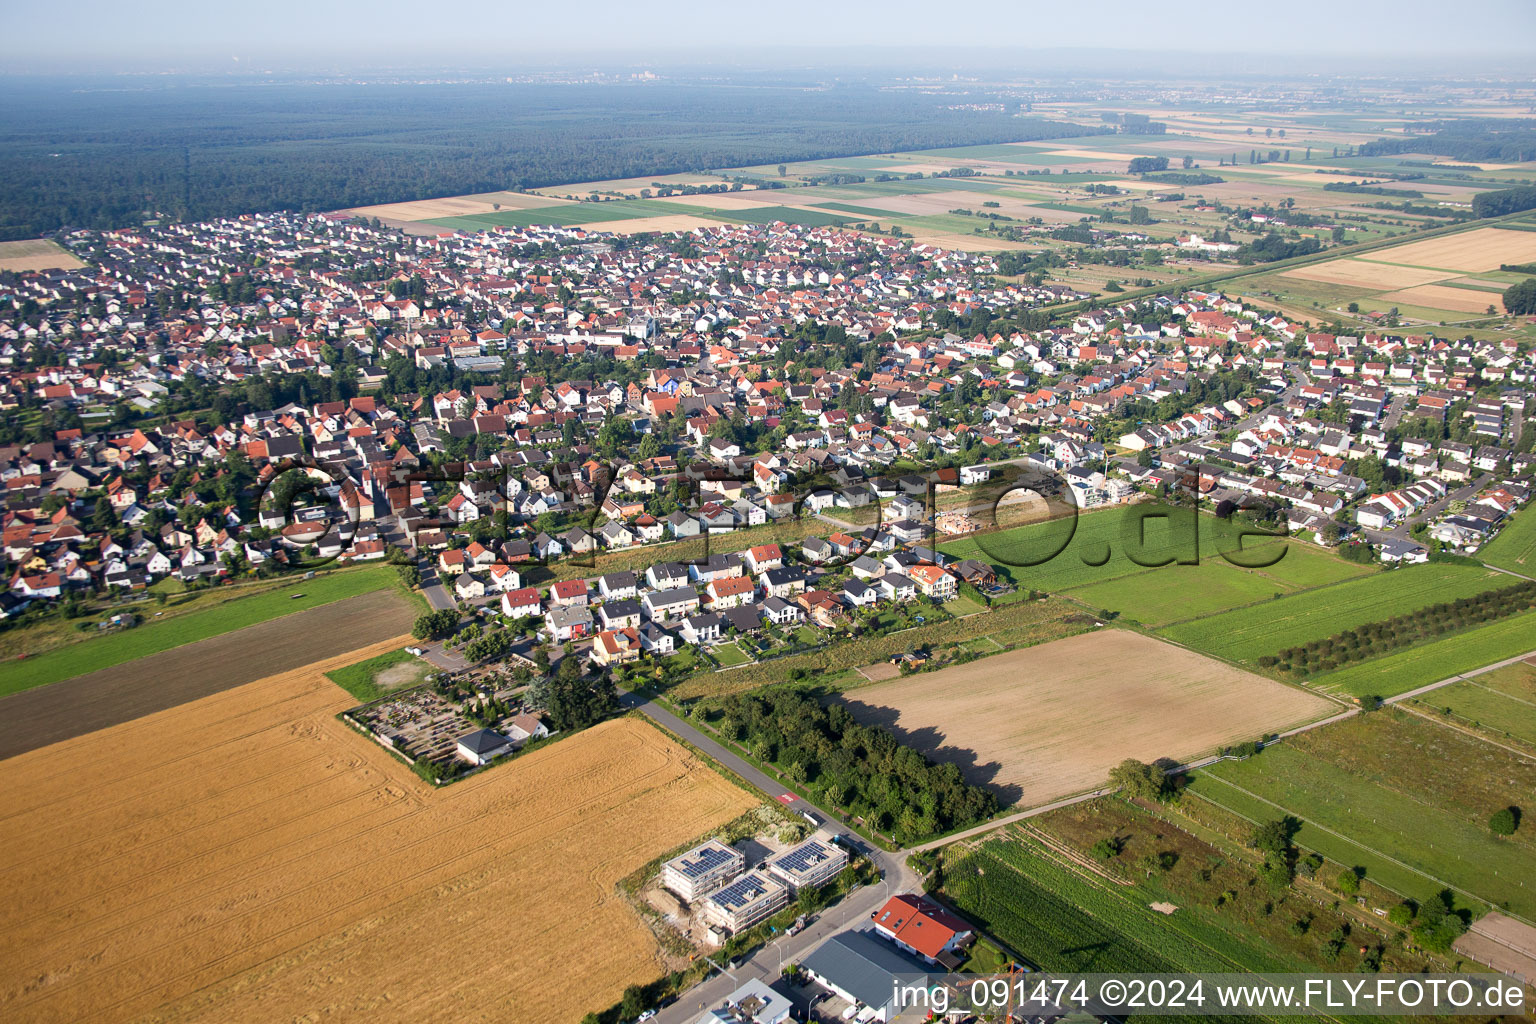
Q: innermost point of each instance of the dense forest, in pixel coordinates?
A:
(102, 156)
(1504, 201)
(1472, 139)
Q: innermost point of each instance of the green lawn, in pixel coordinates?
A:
(153, 637)
(1245, 634)
(730, 655)
(361, 679)
(1441, 659)
(1515, 546)
(963, 605)
(1407, 795)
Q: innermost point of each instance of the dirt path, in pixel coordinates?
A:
(73, 707)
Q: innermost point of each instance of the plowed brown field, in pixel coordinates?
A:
(1052, 720)
(248, 857)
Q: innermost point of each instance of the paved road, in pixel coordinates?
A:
(1401, 530)
(766, 963)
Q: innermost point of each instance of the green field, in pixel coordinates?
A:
(1062, 918)
(568, 214)
(1485, 704)
(153, 637)
(1155, 595)
(787, 214)
(1440, 659)
(361, 680)
(1515, 546)
(1246, 634)
(1062, 922)
(1101, 546)
(1406, 799)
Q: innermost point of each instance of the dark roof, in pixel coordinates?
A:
(863, 965)
(483, 741)
(745, 618)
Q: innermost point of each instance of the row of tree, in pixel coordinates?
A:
(1374, 639)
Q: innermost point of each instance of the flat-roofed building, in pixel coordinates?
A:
(702, 869)
(809, 865)
(751, 898)
(752, 1003)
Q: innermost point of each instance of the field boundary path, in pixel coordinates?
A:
(1458, 677)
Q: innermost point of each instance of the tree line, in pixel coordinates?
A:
(1375, 639)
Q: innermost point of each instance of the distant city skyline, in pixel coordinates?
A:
(96, 35)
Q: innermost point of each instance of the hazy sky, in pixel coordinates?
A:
(104, 35)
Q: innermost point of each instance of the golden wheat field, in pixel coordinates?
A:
(247, 857)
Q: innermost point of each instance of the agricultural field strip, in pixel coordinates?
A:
(395, 822)
(1322, 828)
(1435, 662)
(1248, 632)
(425, 843)
(154, 637)
(1125, 919)
(1109, 890)
(1337, 793)
(1501, 693)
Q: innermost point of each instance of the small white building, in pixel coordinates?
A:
(483, 746)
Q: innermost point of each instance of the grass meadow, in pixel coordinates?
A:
(1405, 798)
(1437, 660)
(1246, 634)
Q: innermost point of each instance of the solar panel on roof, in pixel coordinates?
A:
(707, 860)
(803, 857)
(741, 892)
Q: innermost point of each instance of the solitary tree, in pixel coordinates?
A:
(1504, 821)
(1138, 780)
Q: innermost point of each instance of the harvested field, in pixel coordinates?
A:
(641, 225)
(1476, 251)
(1052, 720)
(749, 200)
(1091, 154)
(249, 857)
(106, 697)
(1439, 296)
(35, 254)
(1365, 274)
(456, 206)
